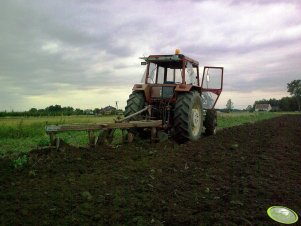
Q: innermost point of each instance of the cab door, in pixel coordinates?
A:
(212, 85)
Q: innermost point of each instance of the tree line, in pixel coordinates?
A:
(58, 110)
(284, 104)
(292, 103)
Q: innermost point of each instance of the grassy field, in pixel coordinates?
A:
(20, 135)
(233, 119)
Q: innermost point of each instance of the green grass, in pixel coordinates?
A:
(233, 119)
(20, 135)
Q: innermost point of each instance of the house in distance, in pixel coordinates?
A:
(263, 107)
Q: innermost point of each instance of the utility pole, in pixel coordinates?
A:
(116, 105)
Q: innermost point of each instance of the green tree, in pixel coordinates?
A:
(67, 110)
(96, 111)
(288, 104)
(33, 112)
(229, 105)
(273, 102)
(294, 88)
(54, 108)
(249, 108)
(285, 104)
(78, 111)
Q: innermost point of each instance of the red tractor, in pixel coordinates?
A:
(171, 101)
(171, 86)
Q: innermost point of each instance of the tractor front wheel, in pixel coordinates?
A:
(210, 122)
(188, 119)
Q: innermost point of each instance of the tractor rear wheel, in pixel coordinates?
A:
(135, 103)
(188, 120)
(210, 122)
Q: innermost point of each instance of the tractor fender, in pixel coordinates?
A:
(187, 88)
(143, 88)
(183, 88)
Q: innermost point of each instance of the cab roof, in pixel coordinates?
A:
(170, 60)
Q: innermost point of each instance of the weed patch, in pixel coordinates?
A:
(20, 162)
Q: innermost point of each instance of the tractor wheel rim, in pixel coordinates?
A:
(195, 121)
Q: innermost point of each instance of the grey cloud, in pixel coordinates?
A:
(25, 29)
(263, 1)
(107, 34)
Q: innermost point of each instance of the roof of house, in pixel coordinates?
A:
(107, 108)
(262, 106)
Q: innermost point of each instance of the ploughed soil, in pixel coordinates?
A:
(228, 179)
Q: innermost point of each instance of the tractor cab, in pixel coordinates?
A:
(171, 69)
(167, 75)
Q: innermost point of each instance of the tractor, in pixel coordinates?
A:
(172, 88)
(171, 101)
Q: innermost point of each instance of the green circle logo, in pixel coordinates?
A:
(282, 214)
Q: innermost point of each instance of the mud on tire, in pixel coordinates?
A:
(188, 120)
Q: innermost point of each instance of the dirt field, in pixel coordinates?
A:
(229, 179)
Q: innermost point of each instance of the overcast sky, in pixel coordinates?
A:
(85, 53)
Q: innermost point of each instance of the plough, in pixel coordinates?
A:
(106, 130)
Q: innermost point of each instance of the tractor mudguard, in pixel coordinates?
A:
(143, 88)
(183, 88)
